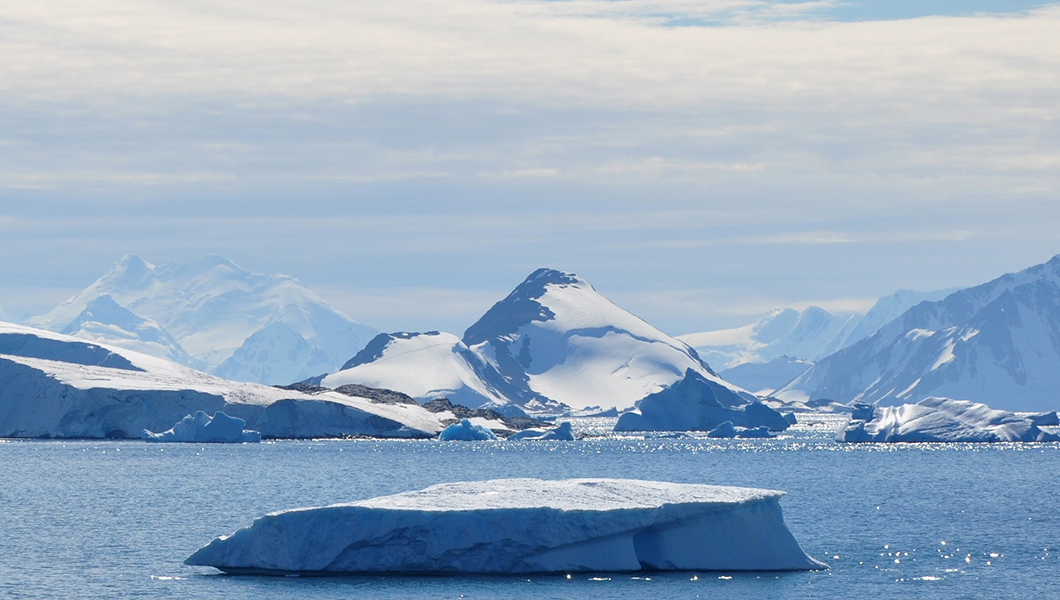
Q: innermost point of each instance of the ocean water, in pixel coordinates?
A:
(110, 519)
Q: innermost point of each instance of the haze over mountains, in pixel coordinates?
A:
(555, 344)
(997, 343)
(214, 316)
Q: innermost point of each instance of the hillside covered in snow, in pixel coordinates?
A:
(998, 342)
(214, 316)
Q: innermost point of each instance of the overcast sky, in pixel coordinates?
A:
(698, 161)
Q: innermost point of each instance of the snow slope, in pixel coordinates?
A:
(555, 339)
(997, 342)
(424, 366)
(53, 385)
(940, 420)
(104, 320)
(229, 321)
(509, 526)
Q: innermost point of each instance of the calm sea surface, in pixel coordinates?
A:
(90, 519)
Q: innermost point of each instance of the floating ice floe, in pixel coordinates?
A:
(466, 431)
(728, 430)
(940, 420)
(521, 526)
(695, 403)
(562, 432)
(202, 428)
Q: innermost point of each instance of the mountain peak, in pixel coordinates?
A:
(521, 306)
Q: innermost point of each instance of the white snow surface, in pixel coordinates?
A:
(423, 365)
(202, 428)
(555, 338)
(213, 309)
(53, 385)
(522, 526)
(940, 420)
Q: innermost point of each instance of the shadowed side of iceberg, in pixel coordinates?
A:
(722, 533)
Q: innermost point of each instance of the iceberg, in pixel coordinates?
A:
(694, 404)
(940, 420)
(201, 427)
(466, 431)
(560, 433)
(728, 430)
(508, 526)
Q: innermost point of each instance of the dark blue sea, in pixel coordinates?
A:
(113, 519)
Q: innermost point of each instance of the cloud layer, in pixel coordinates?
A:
(718, 151)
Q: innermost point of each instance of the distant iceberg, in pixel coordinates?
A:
(522, 526)
(467, 432)
(695, 403)
(202, 428)
(562, 432)
(728, 430)
(940, 420)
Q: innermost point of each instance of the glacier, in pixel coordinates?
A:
(58, 386)
(202, 428)
(695, 404)
(509, 526)
(940, 420)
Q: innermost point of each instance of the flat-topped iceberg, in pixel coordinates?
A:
(202, 428)
(940, 420)
(561, 432)
(521, 526)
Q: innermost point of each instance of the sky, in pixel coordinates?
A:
(700, 162)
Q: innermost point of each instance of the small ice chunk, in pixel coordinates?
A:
(728, 430)
(466, 431)
(562, 432)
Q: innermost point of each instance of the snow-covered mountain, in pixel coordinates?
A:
(998, 342)
(104, 320)
(553, 343)
(556, 338)
(54, 385)
(764, 378)
(807, 335)
(224, 319)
